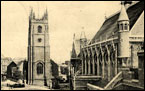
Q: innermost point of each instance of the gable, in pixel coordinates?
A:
(138, 28)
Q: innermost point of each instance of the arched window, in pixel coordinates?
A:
(121, 26)
(126, 27)
(39, 29)
(39, 68)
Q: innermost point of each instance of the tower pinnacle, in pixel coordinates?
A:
(123, 13)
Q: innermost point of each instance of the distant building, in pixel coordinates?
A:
(4, 63)
(10, 69)
(54, 67)
(75, 61)
(8, 65)
(64, 71)
(17, 64)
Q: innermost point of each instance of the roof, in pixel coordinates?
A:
(139, 25)
(18, 61)
(110, 25)
(123, 15)
(6, 61)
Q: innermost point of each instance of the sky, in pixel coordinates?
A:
(65, 19)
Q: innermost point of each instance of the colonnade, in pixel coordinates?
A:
(100, 60)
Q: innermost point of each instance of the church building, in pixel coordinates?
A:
(39, 65)
(111, 57)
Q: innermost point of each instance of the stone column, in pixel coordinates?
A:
(89, 61)
(112, 64)
(82, 66)
(85, 62)
(103, 64)
(116, 62)
(93, 60)
(98, 63)
(82, 58)
(109, 73)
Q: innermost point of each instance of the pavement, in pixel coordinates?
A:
(27, 87)
(64, 86)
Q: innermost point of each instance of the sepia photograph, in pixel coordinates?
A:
(72, 45)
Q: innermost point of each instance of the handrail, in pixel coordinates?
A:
(94, 87)
(117, 78)
(109, 86)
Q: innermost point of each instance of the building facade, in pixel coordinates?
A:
(141, 67)
(115, 46)
(116, 43)
(39, 66)
(4, 64)
(5, 61)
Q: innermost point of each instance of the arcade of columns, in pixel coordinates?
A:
(100, 59)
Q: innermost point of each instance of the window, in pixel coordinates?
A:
(126, 26)
(39, 68)
(39, 39)
(39, 29)
(121, 26)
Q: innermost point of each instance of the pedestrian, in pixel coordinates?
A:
(50, 84)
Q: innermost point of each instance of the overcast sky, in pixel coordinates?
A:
(65, 19)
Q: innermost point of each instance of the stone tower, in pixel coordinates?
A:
(39, 66)
(123, 25)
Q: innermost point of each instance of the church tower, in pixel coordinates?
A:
(39, 66)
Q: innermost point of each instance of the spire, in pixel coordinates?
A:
(74, 38)
(83, 36)
(46, 14)
(123, 13)
(31, 13)
(73, 53)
